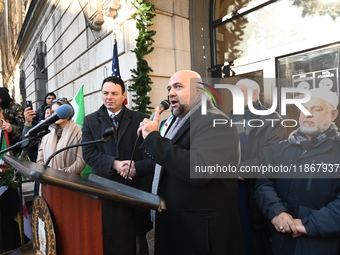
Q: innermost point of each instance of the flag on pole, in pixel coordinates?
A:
(79, 107)
(115, 64)
(115, 61)
(78, 117)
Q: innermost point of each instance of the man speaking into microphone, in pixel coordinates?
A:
(201, 213)
(124, 227)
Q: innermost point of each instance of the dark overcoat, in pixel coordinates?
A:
(201, 215)
(120, 223)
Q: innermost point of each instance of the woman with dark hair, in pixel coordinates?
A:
(65, 132)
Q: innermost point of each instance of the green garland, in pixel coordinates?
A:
(7, 176)
(141, 80)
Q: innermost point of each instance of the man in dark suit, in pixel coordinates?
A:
(201, 215)
(121, 224)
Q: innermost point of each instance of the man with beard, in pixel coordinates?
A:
(305, 210)
(201, 213)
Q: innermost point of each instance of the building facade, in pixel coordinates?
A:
(58, 45)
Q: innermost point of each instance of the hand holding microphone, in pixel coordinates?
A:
(149, 125)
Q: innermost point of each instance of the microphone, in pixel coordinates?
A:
(164, 105)
(106, 137)
(63, 112)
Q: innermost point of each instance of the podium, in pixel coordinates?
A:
(74, 203)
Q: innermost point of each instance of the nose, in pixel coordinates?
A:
(171, 92)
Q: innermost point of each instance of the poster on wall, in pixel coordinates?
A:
(303, 81)
(327, 79)
(318, 79)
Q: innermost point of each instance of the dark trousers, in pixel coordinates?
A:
(255, 241)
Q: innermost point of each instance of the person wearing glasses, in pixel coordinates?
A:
(64, 132)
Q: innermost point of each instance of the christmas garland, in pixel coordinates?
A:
(141, 80)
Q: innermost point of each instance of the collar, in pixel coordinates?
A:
(114, 113)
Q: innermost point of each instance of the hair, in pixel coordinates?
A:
(116, 80)
(47, 107)
(61, 102)
(249, 83)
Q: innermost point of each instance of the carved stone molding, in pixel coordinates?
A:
(95, 10)
(111, 8)
(100, 8)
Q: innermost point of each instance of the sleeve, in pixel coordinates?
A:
(265, 195)
(202, 145)
(100, 162)
(17, 122)
(324, 222)
(40, 156)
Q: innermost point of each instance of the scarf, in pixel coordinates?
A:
(299, 138)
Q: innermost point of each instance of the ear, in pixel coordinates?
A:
(124, 94)
(334, 114)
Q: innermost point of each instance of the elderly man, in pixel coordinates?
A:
(255, 144)
(201, 215)
(305, 212)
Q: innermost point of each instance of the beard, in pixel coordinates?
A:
(310, 131)
(180, 111)
(314, 131)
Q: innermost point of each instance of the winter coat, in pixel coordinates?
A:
(316, 201)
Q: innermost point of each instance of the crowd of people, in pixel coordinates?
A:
(271, 214)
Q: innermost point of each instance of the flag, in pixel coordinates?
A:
(27, 225)
(115, 64)
(78, 117)
(115, 61)
(79, 106)
(4, 145)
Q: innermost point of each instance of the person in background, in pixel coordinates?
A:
(29, 114)
(255, 144)
(34, 117)
(40, 112)
(14, 115)
(124, 227)
(305, 209)
(65, 132)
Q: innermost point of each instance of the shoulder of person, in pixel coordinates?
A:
(136, 113)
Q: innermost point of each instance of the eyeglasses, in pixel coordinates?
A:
(59, 99)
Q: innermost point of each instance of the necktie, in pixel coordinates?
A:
(114, 122)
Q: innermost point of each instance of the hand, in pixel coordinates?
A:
(6, 126)
(29, 115)
(147, 126)
(300, 228)
(122, 167)
(284, 223)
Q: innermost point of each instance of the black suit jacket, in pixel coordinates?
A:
(120, 223)
(201, 215)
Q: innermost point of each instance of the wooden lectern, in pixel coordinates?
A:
(74, 203)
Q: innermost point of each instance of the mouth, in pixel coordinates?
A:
(308, 123)
(174, 103)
